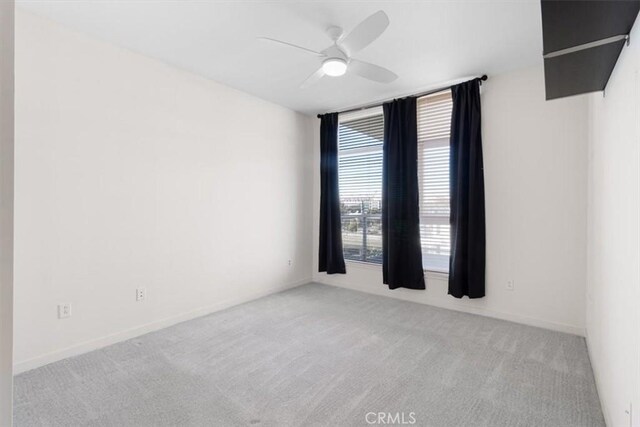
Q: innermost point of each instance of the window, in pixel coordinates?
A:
(360, 137)
(434, 125)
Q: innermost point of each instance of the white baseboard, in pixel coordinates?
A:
(596, 377)
(453, 305)
(94, 344)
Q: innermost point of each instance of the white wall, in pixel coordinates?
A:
(613, 292)
(535, 156)
(130, 173)
(6, 210)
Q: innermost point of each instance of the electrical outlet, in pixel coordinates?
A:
(64, 310)
(141, 294)
(289, 262)
(510, 286)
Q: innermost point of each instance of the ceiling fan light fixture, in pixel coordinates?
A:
(334, 67)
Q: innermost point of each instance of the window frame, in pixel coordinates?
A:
(432, 219)
(362, 217)
(425, 218)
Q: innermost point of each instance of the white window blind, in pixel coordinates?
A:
(360, 137)
(434, 125)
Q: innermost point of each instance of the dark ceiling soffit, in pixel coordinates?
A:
(572, 23)
(580, 72)
(582, 42)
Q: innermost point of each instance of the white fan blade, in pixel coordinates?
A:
(313, 78)
(366, 32)
(291, 45)
(372, 72)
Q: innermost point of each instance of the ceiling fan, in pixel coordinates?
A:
(337, 59)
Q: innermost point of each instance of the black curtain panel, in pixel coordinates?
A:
(331, 258)
(401, 251)
(467, 261)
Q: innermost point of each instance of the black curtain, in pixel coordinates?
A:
(467, 261)
(331, 258)
(401, 251)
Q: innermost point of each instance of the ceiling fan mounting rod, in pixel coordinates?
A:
(334, 32)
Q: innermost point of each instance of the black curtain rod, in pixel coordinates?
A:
(481, 78)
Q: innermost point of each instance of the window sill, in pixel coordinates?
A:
(434, 274)
(363, 264)
(373, 266)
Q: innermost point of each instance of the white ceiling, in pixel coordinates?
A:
(427, 43)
